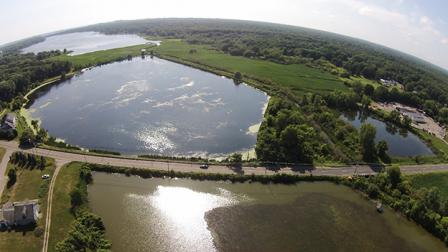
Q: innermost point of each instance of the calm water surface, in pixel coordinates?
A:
(152, 106)
(400, 141)
(184, 215)
(85, 42)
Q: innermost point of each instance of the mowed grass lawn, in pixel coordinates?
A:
(104, 56)
(298, 78)
(439, 180)
(62, 218)
(28, 185)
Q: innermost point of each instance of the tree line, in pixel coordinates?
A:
(19, 73)
(425, 205)
(87, 232)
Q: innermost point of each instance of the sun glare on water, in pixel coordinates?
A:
(182, 211)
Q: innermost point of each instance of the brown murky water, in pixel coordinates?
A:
(184, 215)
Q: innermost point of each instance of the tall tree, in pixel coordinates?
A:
(367, 141)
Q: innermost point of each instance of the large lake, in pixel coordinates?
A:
(400, 141)
(152, 106)
(85, 42)
(185, 215)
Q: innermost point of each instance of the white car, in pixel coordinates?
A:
(204, 166)
(46, 176)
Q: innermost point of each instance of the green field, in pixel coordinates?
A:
(297, 78)
(102, 57)
(62, 218)
(439, 180)
(28, 185)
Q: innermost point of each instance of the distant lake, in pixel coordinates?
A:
(400, 141)
(184, 215)
(85, 42)
(152, 106)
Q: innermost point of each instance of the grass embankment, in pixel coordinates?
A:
(74, 227)
(296, 78)
(439, 180)
(103, 57)
(61, 215)
(2, 153)
(29, 185)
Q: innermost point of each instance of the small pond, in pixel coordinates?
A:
(185, 215)
(400, 141)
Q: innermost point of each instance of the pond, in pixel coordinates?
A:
(185, 215)
(85, 42)
(401, 142)
(152, 106)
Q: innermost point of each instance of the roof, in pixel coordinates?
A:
(19, 212)
(10, 117)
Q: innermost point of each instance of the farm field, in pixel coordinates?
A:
(295, 77)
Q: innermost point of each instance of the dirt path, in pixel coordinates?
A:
(3, 166)
(59, 165)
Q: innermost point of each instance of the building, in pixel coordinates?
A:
(391, 83)
(20, 213)
(414, 114)
(9, 121)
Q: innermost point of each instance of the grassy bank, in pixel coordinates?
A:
(439, 180)
(234, 178)
(74, 227)
(103, 57)
(2, 153)
(297, 78)
(61, 215)
(29, 185)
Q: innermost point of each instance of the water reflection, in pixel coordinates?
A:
(85, 42)
(152, 106)
(180, 212)
(185, 215)
(401, 142)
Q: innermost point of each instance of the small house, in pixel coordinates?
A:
(9, 121)
(20, 213)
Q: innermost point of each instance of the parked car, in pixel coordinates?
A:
(3, 225)
(46, 176)
(203, 166)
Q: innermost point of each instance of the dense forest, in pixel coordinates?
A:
(21, 72)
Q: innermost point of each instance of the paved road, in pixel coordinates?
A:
(64, 157)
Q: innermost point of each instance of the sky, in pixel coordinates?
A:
(417, 27)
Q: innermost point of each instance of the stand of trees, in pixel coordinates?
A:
(87, 232)
(424, 206)
(31, 161)
(286, 136)
(20, 73)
